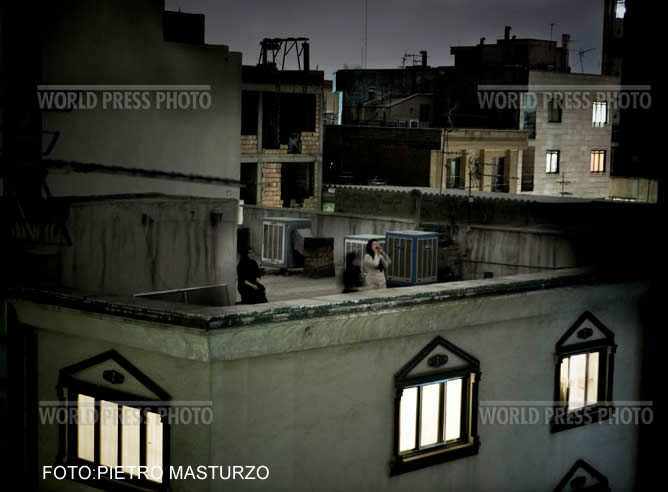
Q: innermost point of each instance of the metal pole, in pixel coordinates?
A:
(366, 22)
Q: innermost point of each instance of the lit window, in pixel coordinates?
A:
(597, 161)
(113, 428)
(620, 10)
(584, 373)
(436, 411)
(552, 161)
(599, 115)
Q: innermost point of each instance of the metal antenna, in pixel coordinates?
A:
(366, 25)
(582, 52)
(563, 184)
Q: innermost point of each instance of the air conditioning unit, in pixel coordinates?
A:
(278, 240)
(357, 244)
(414, 256)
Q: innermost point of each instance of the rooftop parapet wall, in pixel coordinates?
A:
(209, 318)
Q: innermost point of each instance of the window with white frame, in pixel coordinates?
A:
(599, 116)
(435, 408)
(584, 369)
(597, 161)
(620, 9)
(121, 436)
(552, 161)
(114, 429)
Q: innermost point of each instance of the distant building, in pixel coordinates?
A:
(614, 13)
(627, 53)
(332, 104)
(479, 159)
(281, 133)
(569, 120)
(362, 88)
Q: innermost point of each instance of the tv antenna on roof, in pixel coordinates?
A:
(582, 53)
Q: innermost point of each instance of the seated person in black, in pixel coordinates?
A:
(248, 276)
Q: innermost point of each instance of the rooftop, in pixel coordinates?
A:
(319, 300)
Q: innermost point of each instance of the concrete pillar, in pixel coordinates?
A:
(516, 186)
(258, 191)
(486, 170)
(320, 124)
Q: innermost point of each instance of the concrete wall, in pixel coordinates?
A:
(499, 250)
(313, 399)
(505, 251)
(574, 137)
(636, 189)
(124, 247)
(69, 337)
(121, 43)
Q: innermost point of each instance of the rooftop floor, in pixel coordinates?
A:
(285, 288)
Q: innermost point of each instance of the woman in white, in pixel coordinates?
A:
(376, 262)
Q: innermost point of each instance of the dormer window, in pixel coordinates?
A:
(583, 476)
(119, 423)
(584, 368)
(436, 407)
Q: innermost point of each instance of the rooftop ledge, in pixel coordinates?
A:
(208, 318)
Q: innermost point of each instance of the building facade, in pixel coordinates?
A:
(324, 401)
(282, 136)
(154, 110)
(479, 160)
(569, 120)
(137, 154)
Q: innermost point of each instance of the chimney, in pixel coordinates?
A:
(307, 58)
(424, 58)
(506, 34)
(565, 41)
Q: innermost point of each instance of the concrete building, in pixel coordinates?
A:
(332, 104)
(136, 154)
(315, 393)
(281, 133)
(357, 87)
(154, 110)
(626, 53)
(569, 120)
(484, 160)
(479, 160)
(614, 12)
(412, 111)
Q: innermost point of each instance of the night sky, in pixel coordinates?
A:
(336, 28)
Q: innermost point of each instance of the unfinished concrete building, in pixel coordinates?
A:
(281, 128)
